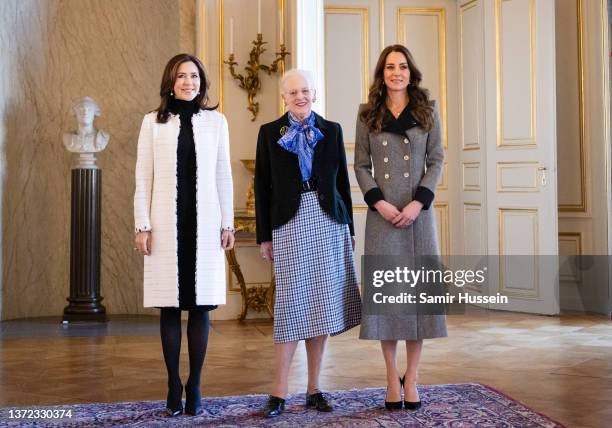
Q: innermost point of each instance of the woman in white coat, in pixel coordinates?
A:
(184, 218)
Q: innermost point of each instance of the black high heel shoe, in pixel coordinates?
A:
(410, 405)
(174, 401)
(193, 400)
(394, 405)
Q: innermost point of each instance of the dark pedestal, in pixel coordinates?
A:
(85, 300)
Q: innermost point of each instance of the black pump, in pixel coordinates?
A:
(394, 405)
(174, 401)
(193, 400)
(410, 405)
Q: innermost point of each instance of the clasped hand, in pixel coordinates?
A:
(400, 219)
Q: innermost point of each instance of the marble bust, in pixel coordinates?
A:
(86, 139)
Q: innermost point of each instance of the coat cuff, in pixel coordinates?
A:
(142, 227)
(372, 196)
(424, 196)
(264, 238)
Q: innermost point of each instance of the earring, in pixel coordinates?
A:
(171, 93)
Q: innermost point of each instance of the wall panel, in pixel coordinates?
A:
(515, 36)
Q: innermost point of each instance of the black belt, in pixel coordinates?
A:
(309, 185)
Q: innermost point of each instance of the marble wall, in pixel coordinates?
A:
(54, 51)
(187, 25)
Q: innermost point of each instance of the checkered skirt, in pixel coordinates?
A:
(316, 284)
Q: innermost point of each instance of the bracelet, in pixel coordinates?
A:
(229, 229)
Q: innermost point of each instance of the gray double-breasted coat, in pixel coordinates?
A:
(398, 165)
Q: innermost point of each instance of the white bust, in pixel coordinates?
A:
(86, 139)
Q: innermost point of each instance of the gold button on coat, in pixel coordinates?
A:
(405, 140)
(406, 174)
(406, 157)
(385, 143)
(386, 176)
(386, 159)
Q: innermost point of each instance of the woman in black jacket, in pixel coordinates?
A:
(305, 225)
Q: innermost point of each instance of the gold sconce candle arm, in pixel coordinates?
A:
(231, 63)
(280, 58)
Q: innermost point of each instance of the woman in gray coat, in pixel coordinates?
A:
(398, 162)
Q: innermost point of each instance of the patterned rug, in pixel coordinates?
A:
(459, 405)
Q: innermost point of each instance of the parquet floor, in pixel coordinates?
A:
(560, 366)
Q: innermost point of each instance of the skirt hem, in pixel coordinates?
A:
(322, 333)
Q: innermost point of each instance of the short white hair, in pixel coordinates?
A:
(307, 75)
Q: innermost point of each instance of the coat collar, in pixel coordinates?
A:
(197, 115)
(322, 125)
(415, 132)
(399, 125)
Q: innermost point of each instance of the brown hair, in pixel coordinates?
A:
(418, 98)
(169, 78)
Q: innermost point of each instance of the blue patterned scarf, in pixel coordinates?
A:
(301, 139)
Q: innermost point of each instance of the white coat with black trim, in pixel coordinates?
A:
(155, 206)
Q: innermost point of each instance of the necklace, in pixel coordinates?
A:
(396, 111)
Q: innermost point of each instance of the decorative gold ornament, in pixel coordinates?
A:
(250, 204)
(284, 130)
(258, 297)
(245, 224)
(251, 82)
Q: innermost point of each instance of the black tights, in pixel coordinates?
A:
(197, 340)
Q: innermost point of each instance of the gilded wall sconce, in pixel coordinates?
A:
(250, 81)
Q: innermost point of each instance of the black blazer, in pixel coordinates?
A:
(278, 178)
